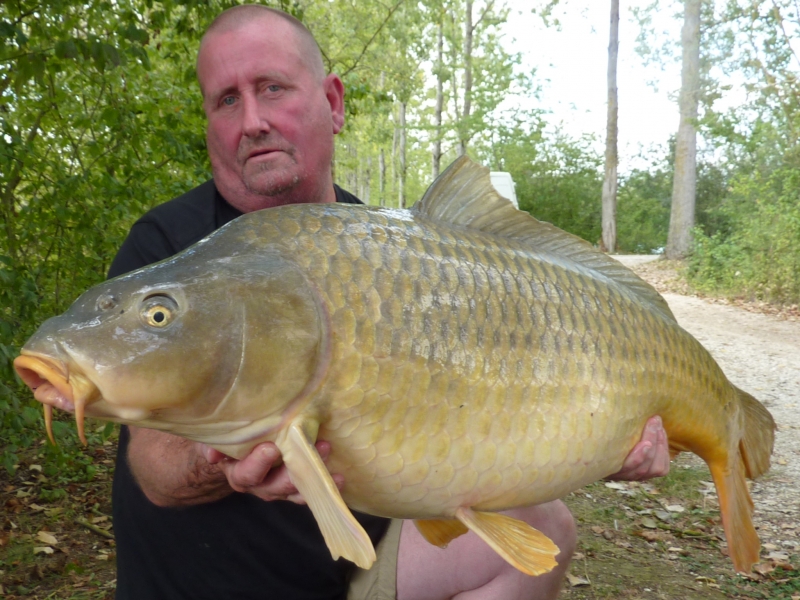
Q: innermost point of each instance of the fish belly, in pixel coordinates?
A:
(469, 371)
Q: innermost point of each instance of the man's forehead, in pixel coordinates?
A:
(231, 58)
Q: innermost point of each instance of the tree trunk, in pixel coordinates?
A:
(609, 240)
(468, 32)
(382, 176)
(366, 182)
(401, 188)
(437, 115)
(684, 185)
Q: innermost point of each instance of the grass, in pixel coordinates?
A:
(663, 540)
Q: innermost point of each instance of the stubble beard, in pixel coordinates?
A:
(266, 180)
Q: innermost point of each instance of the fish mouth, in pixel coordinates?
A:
(54, 385)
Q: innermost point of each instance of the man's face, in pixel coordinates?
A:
(271, 117)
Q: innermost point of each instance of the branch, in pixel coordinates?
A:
(372, 39)
(488, 8)
(98, 530)
(783, 29)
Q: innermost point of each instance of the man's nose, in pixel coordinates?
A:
(254, 117)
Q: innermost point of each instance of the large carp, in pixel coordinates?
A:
(461, 358)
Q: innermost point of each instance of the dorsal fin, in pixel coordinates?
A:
(464, 195)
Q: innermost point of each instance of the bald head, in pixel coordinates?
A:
(238, 17)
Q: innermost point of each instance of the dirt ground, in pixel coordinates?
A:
(660, 539)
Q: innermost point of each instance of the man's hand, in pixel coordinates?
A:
(649, 458)
(262, 472)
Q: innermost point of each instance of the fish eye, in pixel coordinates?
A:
(158, 311)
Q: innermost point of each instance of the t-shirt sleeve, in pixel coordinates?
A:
(146, 244)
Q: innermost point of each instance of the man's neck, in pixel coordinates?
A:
(246, 201)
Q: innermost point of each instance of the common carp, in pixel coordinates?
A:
(461, 357)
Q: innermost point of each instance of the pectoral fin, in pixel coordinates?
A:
(522, 546)
(440, 532)
(343, 534)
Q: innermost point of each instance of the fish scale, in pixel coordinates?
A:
(470, 292)
(461, 358)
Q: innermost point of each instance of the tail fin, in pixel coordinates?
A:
(759, 435)
(750, 458)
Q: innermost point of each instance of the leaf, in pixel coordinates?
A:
(763, 568)
(778, 556)
(649, 523)
(66, 49)
(575, 581)
(43, 550)
(615, 485)
(46, 537)
(135, 34)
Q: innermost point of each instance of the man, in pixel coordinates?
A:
(193, 524)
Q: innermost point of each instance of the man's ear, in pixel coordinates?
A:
(334, 92)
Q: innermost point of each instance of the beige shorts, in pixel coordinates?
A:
(379, 582)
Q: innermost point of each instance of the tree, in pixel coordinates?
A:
(609, 239)
(681, 223)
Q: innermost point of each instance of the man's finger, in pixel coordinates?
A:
(253, 469)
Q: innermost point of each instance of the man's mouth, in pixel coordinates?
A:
(261, 152)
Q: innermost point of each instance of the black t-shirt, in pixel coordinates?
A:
(240, 547)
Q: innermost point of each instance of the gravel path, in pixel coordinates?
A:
(760, 354)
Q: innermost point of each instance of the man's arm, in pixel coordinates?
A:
(173, 471)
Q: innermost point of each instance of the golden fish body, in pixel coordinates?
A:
(462, 358)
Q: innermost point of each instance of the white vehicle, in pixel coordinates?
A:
(505, 185)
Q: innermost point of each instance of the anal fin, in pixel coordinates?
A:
(522, 546)
(343, 534)
(440, 532)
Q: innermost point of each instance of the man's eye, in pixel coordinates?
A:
(274, 88)
(229, 100)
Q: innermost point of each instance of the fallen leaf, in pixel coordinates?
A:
(676, 508)
(663, 516)
(650, 536)
(575, 581)
(99, 519)
(763, 568)
(649, 523)
(43, 549)
(778, 556)
(46, 537)
(614, 485)
(598, 530)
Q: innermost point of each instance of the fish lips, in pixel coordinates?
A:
(48, 379)
(55, 387)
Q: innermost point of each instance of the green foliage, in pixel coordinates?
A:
(643, 205)
(99, 120)
(757, 255)
(747, 239)
(557, 179)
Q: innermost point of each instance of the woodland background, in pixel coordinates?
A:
(100, 119)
